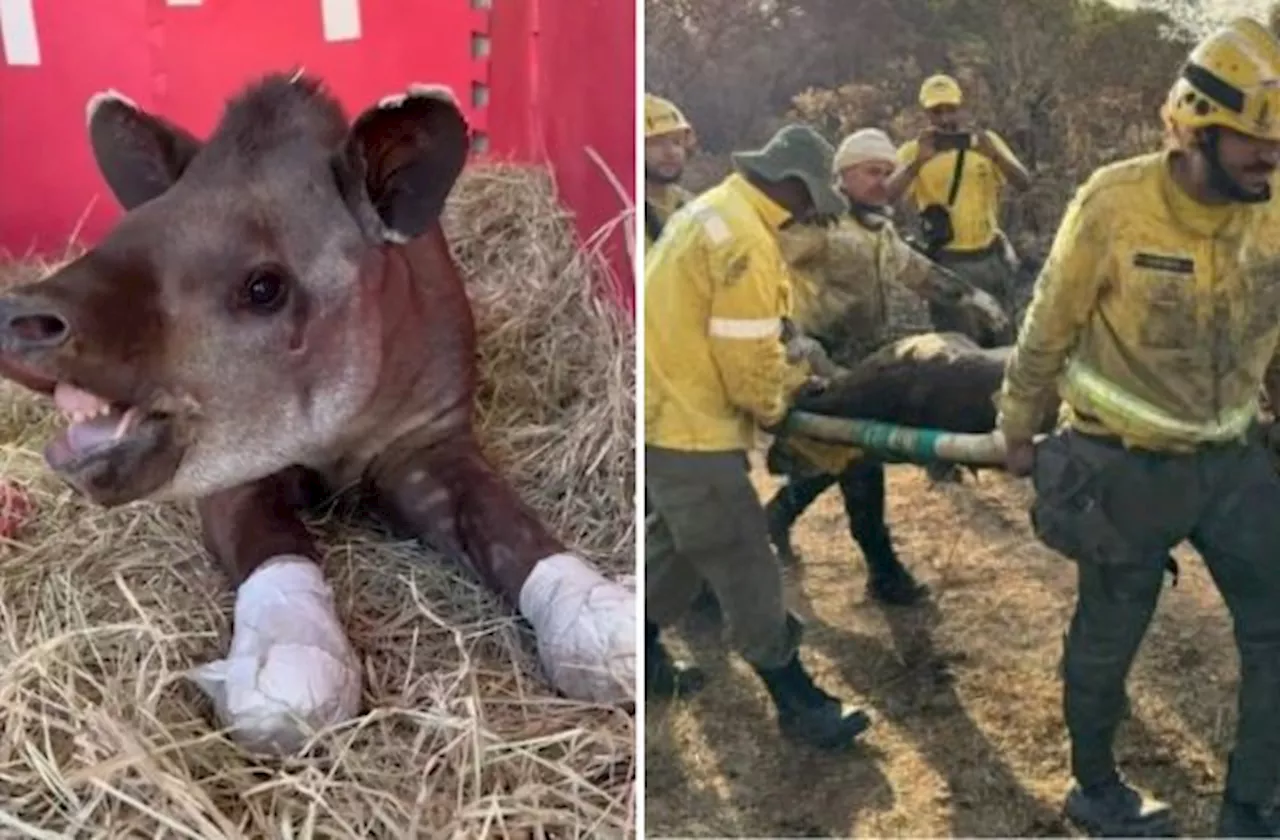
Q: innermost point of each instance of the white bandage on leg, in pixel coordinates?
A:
(585, 625)
(291, 669)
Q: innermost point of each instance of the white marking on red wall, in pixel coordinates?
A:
(183, 2)
(18, 33)
(341, 19)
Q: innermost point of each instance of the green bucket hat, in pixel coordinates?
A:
(798, 151)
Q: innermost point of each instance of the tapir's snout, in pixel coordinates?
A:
(115, 443)
(33, 330)
(30, 323)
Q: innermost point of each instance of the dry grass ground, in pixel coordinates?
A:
(969, 739)
(102, 611)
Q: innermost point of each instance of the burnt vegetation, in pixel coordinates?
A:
(1070, 84)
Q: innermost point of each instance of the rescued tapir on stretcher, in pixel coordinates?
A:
(922, 398)
(277, 309)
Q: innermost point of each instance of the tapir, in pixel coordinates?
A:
(923, 397)
(276, 314)
(940, 381)
(930, 397)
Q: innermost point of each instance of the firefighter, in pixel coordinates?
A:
(1156, 318)
(845, 274)
(955, 176)
(668, 141)
(716, 293)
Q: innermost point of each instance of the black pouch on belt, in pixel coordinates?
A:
(1070, 512)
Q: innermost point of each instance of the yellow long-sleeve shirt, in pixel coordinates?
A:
(1157, 316)
(715, 292)
(975, 216)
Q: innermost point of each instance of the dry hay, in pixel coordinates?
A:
(101, 611)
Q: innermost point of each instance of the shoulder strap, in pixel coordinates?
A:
(955, 177)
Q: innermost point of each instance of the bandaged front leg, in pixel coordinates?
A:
(585, 625)
(290, 669)
(584, 622)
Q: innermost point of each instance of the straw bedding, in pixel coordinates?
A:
(101, 611)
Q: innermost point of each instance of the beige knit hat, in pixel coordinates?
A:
(864, 145)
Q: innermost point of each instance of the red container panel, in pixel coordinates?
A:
(541, 81)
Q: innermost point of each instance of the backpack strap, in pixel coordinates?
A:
(955, 178)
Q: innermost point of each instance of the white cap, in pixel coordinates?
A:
(864, 145)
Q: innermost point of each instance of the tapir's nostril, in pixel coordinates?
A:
(37, 329)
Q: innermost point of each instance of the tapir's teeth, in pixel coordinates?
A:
(85, 415)
(127, 422)
(70, 398)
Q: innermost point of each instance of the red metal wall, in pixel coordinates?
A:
(576, 79)
(558, 77)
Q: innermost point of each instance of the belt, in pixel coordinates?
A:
(1110, 439)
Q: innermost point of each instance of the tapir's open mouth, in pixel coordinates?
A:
(95, 428)
(111, 451)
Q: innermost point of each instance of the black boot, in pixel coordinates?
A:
(1115, 809)
(893, 584)
(1236, 819)
(808, 714)
(664, 677)
(888, 581)
(787, 505)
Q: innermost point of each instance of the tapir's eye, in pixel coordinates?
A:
(265, 289)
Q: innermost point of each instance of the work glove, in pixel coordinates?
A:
(812, 386)
(1020, 458)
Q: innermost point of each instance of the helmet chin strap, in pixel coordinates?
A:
(1219, 181)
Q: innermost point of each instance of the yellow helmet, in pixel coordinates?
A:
(663, 117)
(1231, 79)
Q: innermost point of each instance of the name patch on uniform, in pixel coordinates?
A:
(1161, 262)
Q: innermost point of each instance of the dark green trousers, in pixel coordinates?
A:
(707, 523)
(1118, 513)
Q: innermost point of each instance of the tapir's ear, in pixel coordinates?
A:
(139, 154)
(402, 158)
